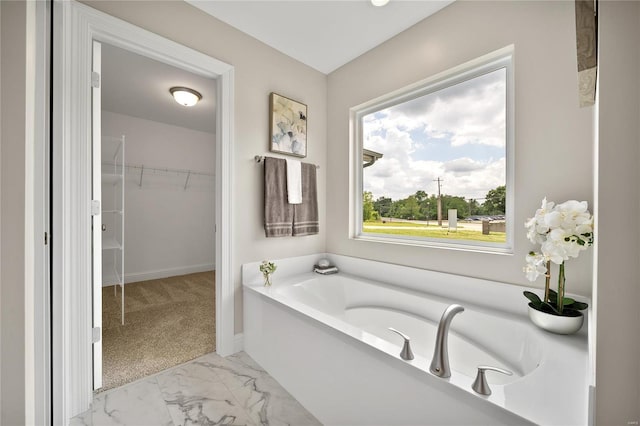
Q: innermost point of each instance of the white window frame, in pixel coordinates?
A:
(502, 58)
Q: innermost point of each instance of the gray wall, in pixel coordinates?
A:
(259, 70)
(12, 216)
(554, 156)
(552, 134)
(618, 228)
(168, 230)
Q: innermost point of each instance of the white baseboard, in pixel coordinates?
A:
(164, 273)
(238, 342)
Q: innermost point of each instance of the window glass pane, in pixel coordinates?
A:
(450, 142)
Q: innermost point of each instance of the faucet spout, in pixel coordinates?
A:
(440, 363)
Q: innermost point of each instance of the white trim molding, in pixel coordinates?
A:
(135, 277)
(238, 342)
(75, 27)
(37, 165)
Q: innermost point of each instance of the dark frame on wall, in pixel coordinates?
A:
(287, 126)
(587, 50)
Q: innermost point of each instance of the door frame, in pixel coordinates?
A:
(97, 217)
(75, 27)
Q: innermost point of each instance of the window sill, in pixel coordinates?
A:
(467, 246)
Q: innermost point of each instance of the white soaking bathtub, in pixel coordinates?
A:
(326, 340)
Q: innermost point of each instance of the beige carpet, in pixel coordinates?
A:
(167, 322)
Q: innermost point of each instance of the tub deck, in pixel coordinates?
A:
(326, 336)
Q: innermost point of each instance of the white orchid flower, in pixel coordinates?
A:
(573, 206)
(536, 266)
(563, 231)
(537, 228)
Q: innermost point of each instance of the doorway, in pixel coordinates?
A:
(76, 26)
(156, 256)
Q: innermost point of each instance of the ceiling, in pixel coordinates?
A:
(138, 86)
(324, 34)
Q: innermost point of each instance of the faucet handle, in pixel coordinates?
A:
(406, 353)
(480, 384)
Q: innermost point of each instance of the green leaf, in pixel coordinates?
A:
(532, 296)
(549, 308)
(578, 306)
(570, 313)
(568, 301)
(537, 305)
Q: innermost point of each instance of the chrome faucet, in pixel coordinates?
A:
(440, 363)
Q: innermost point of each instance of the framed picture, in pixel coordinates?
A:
(288, 126)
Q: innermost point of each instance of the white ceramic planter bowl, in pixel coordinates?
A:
(554, 323)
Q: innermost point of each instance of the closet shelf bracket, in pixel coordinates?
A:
(141, 173)
(186, 182)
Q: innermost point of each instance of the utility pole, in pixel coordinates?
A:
(439, 201)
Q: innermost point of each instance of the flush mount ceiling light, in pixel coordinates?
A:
(185, 96)
(379, 3)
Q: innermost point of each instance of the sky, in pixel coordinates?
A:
(457, 134)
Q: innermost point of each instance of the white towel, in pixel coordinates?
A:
(294, 181)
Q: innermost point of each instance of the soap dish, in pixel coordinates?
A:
(325, 271)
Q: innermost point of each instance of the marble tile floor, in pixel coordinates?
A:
(210, 390)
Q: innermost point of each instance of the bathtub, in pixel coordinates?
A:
(326, 340)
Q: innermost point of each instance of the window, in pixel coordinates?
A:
(432, 161)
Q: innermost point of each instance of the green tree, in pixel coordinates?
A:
(458, 203)
(430, 206)
(495, 200)
(474, 207)
(413, 208)
(420, 196)
(397, 209)
(423, 202)
(409, 208)
(368, 211)
(383, 206)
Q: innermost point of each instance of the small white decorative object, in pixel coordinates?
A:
(267, 268)
(324, 263)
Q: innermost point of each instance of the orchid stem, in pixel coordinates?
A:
(547, 280)
(561, 288)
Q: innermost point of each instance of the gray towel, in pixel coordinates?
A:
(305, 215)
(278, 213)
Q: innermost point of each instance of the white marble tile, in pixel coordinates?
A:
(244, 358)
(195, 395)
(236, 370)
(210, 390)
(137, 404)
(265, 400)
(267, 403)
(84, 419)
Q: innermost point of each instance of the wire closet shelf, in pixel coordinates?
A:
(142, 171)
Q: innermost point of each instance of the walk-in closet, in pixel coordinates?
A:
(158, 218)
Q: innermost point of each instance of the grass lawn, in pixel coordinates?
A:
(431, 231)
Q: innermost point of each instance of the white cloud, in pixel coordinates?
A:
(391, 178)
(463, 166)
(472, 112)
(469, 114)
